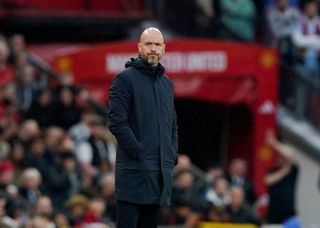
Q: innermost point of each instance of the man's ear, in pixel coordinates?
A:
(139, 47)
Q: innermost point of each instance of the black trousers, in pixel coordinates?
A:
(130, 215)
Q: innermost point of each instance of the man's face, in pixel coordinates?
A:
(282, 4)
(7, 177)
(237, 197)
(31, 183)
(311, 9)
(151, 47)
(221, 187)
(44, 206)
(238, 168)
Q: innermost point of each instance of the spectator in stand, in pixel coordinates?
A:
(80, 132)
(67, 110)
(206, 17)
(27, 130)
(43, 207)
(238, 19)
(63, 180)
(5, 221)
(3, 200)
(107, 189)
(214, 171)
(11, 113)
(29, 82)
(239, 211)
(282, 19)
(20, 62)
(183, 214)
(42, 109)
(10, 133)
(184, 190)
(35, 158)
(8, 105)
(6, 71)
(16, 212)
(70, 165)
(303, 2)
(18, 158)
(9, 92)
(90, 186)
(95, 214)
(54, 137)
(17, 45)
(7, 174)
(218, 194)
(77, 207)
(100, 146)
(306, 39)
(281, 182)
(29, 186)
(61, 220)
(7, 87)
(4, 145)
(237, 176)
(66, 80)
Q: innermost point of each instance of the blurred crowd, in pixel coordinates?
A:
(56, 154)
(224, 195)
(296, 35)
(291, 26)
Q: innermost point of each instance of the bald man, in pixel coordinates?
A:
(143, 119)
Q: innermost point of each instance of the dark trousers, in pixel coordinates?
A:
(130, 215)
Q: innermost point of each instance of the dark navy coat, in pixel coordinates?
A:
(143, 119)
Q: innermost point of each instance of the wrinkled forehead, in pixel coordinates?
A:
(151, 36)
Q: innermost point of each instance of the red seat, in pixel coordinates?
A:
(70, 5)
(102, 5)
(13, 3)
(116, 5)
(78, 5)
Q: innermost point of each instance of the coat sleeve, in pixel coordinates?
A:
(119, 107)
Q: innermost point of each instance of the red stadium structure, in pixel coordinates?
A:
(203, 71)
(75, 5)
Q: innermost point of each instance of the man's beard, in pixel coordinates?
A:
(153, 59)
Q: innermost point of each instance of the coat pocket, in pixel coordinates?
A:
(131, 180)
(135, 152)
